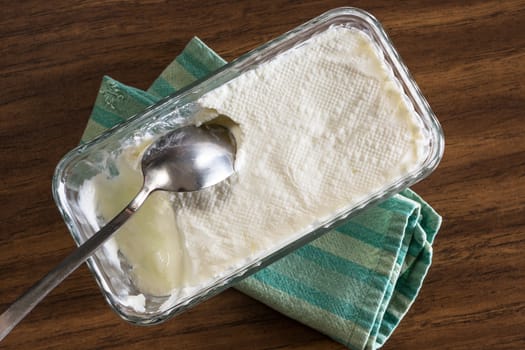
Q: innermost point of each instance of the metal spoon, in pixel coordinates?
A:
(184, 160)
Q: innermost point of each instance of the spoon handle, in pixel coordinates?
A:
(26, 302)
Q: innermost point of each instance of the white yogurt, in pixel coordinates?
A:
(324, 126)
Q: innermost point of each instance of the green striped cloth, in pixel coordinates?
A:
(353, 284)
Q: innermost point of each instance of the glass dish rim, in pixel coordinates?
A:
(251, 59)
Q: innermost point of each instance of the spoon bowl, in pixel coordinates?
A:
(189, 159)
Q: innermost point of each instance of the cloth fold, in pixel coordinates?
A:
(354, 283)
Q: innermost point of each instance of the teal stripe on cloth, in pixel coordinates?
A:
(354, 283)
(339, 264)
(208, 60)
(105, 118)
(369, 236)
(192, 64)
(314, 296)
(184, 71)
(162, 87)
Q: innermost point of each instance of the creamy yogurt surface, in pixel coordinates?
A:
(320, 128)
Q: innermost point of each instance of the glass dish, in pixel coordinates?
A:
(89, 159)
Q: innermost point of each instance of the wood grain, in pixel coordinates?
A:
(469, 60)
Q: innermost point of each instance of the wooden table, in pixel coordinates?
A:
(469, 60)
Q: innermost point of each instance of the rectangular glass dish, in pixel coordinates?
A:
(88, 160)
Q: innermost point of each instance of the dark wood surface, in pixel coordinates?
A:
(468, 58)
